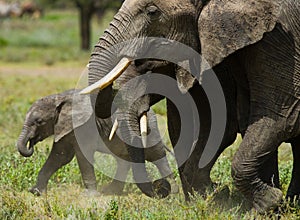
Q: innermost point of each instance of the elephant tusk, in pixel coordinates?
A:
(143, 127)
(109, 78)
(113, 130)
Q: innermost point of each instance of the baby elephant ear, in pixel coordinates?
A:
(63, 123)
(71, 112)
(227, 26)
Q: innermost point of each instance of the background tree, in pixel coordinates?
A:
(86, 8)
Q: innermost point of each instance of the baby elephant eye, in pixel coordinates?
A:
(153, 11)
(39, 121)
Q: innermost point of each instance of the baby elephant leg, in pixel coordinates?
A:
(117, 185)
(87, 171)
(61, 154)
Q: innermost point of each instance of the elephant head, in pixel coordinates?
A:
(47, 116)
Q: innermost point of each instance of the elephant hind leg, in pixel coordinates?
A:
(61, 154)
(293, 192)
(261, 140)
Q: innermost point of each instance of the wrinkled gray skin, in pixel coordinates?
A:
(193, 178)
(53, 115)
(260, 39)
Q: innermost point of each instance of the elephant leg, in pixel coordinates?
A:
(269, 172)
(293, 192)
(174, 133)
(261, 140)
(192, 178)
(87, 170)
(61, 154)
(118, 183)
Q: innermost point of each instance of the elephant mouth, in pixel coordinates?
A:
(31, 142)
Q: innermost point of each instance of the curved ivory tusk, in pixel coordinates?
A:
(143, 127)
(113, 130)
(109, 78)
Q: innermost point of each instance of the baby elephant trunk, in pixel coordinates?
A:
(22, 144)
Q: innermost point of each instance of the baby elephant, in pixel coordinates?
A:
(70, 123)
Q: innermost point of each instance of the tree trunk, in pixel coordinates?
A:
(85, 26)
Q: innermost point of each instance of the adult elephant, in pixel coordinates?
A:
(260, 38)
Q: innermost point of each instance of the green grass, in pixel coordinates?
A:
(65, 198)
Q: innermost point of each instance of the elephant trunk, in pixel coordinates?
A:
(135, 147)
(22, 144)
(130, 131)
(103, 59)
(160, 188)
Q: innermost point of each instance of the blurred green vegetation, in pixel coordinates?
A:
(52, 38)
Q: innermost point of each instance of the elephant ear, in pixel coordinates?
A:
(227, 26)
(72, 111)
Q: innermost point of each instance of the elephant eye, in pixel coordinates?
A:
(153, 12)
(39, 121)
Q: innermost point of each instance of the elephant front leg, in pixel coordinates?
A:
(199, 179)
(261, 140)
(187, 165)
(117, 185)
(293, 192)
(61, 154)
(174, 133)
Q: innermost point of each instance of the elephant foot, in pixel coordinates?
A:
(36, 191)
(114, 188)
(221, 195)
(267, 199)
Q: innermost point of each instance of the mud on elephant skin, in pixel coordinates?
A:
(53, 115)
(262, 37)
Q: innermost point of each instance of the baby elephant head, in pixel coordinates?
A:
(52, 115)
(40, 122)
